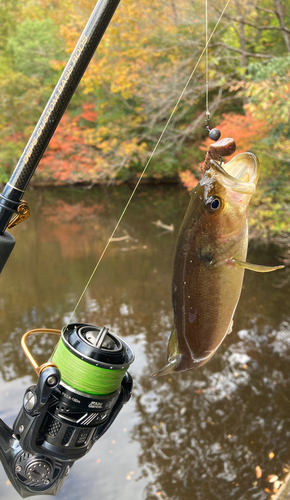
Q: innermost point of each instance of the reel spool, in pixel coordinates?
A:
(99, 359)
(92, 362)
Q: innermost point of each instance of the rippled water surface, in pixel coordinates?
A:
(193, 436)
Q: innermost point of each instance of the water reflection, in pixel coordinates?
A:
(197, 435)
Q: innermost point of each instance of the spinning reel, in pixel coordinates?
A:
(59, 421)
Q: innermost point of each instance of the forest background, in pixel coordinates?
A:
(131, 86)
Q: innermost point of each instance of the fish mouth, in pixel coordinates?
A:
(240, 174)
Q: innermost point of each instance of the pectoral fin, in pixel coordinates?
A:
(255, 267)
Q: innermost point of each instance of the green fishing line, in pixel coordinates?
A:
(84, 376)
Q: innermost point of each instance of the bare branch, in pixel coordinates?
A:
(269, 11)
(249, 54)
(117, 96)
(259, 28)
(178, 139)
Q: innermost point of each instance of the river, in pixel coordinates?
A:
(193, 436)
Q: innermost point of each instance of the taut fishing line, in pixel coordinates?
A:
(214, 134)
(207, 113)
(205, 49)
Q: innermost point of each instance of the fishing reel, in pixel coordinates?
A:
(78, 395)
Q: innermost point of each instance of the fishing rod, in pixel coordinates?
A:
(10, 199)
(85, 384)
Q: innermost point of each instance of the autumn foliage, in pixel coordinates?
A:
(135, 80)
(69, 156)
(188, 179)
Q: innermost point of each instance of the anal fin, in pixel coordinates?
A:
(230, 328)
(169, 368)
(173, 355)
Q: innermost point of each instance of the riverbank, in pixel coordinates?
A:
(267, 223)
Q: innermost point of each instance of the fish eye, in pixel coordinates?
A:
(213, 204)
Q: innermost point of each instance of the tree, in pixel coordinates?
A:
(27, 79)
(138, 74)
(33, 46)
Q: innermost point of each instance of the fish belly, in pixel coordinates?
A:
(204, 298)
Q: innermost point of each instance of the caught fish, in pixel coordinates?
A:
(210, 258)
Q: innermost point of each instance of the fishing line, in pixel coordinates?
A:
(207, 113)
(86, 377)
(150, 157)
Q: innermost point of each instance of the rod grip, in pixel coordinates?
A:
(7, 242)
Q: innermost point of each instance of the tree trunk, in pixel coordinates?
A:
(279, 10)
(174, 10)
(242, 36)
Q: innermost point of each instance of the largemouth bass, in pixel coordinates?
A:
(210, 260)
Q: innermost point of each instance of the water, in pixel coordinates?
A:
(193, 436)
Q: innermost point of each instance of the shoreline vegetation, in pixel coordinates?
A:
(261, 226)
(130, 88)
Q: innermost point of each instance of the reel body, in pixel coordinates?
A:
(30, 474)
(58, 423)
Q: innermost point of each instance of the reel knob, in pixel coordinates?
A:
(101, 338)
(29, 400)
(39, 472)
